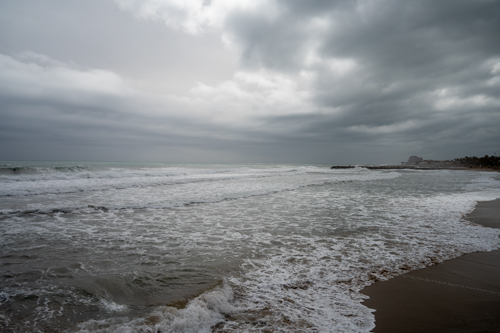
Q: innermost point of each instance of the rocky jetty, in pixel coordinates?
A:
(342, 167)
(411, 167)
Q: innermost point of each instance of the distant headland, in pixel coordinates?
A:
(414, 162)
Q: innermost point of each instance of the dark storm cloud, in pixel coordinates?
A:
(405, 53)
(279, 39)
(423, 45)
(314, 81)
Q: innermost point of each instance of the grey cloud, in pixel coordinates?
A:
(316, 7)
(417, 48)
(276, 44)
(426, 42)
(45, 115)
(436, 43)
(280, 40)
(422, 81)
(96, 34)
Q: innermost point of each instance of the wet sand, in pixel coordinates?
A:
(459, 295)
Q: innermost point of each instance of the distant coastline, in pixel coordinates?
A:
(485, 163)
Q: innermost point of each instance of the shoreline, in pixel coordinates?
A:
(458, 295)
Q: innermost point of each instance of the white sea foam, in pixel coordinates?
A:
(70, 182)
(199, 315)
(111, 306)
(167, 191)
(316, 287)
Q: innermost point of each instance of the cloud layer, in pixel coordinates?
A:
(256, 81)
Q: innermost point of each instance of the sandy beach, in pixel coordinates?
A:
(459, 295)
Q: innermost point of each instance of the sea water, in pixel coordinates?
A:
(117, 247)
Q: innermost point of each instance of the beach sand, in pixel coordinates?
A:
(459, 295)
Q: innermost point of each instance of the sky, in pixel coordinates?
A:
(249, 81)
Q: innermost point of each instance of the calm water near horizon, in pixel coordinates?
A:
(138, 247)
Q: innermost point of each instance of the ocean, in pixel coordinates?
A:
(151, 247)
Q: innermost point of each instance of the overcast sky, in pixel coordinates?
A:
(279, 81)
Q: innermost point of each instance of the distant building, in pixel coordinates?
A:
(413, 160)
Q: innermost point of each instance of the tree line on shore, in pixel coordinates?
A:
(485, 161)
